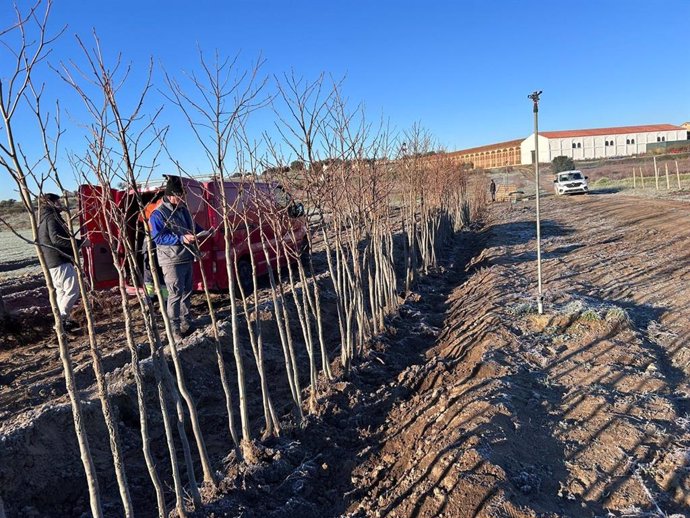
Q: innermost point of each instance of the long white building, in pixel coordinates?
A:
(599, 142)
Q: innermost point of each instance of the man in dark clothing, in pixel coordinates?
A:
(175, 235)
(492, 190)
(54, 237)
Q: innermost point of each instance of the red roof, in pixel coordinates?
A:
(609, 131)
(490, 147)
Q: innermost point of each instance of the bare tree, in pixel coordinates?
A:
(132, 138)
(4, 314)
(220, 98)
(50, 156)
(31, 32)
(111, 222)
(303, 129)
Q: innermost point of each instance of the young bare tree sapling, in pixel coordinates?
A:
(31, 30)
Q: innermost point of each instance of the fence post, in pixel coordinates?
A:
(634, 183)
(642, 177)
(656, 174)
(678, 175)
(668, 182)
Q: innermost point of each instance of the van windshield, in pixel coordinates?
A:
(566, 177)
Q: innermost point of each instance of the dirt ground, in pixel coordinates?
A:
(471, 404)
(580, 412)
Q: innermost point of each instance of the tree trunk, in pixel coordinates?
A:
(3, 310)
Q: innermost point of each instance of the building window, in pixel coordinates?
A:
(627, 141)
(574, 146)
(579, 145)
(663, 139)
(632, 140)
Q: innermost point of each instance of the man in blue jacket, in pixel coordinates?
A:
(175, 235)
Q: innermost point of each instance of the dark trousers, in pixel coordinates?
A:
(178, 280)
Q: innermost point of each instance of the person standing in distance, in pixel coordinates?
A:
(174, 233)
(492, 190)
(54, 238)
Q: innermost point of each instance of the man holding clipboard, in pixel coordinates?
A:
(175, 234)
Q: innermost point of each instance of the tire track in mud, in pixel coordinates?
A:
(581, 412)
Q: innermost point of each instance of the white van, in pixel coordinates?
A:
(570, 182)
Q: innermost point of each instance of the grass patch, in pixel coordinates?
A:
(590, 315)
(649, 181)
(617, 315)
(560, 317)
(522, 309)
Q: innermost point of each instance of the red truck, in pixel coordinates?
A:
(265, 206)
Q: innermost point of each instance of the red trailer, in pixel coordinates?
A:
(254, 207)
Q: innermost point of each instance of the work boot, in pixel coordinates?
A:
(70, 326)
(187, 328)
(177, 335)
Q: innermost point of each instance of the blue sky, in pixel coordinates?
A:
(461, 68)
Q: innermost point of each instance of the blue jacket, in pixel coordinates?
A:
(169, 224)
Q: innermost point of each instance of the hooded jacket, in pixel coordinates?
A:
(169, 223)
(54, 238)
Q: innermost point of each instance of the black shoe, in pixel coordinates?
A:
(187, 328)
(70, 326)
(177, 335)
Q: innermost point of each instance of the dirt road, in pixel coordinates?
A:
(472, 404)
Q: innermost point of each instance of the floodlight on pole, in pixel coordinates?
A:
(534, 96)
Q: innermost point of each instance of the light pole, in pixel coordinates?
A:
(535, 99)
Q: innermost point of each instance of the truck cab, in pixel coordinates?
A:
(570, 182)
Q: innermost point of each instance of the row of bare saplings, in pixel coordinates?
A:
(366, 203)
(365, 209)
(358, 210)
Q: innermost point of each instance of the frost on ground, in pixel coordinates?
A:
(582, 411)
(17, 257)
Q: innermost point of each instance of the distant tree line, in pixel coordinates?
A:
(562, 163)
(10, 206)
